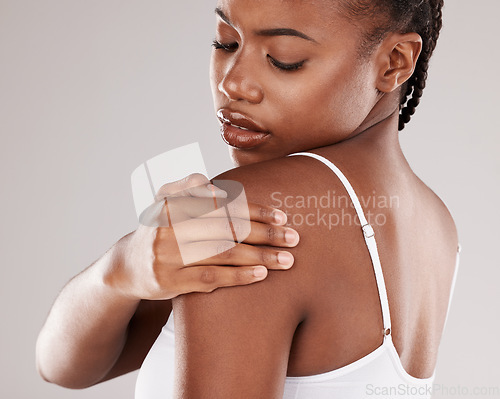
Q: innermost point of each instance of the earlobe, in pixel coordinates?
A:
(397, 59)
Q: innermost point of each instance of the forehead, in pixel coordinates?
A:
(318, 19)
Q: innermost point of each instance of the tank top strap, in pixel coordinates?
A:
(452, 289)
(369, 236)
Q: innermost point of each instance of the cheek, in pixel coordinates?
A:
(215, 78)
(213, 75)
(316, 103)
(338, 102)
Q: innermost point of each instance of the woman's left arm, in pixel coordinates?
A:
(235, 342)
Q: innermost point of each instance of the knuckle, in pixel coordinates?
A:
(240, 276)
(266, 256)
(263, 213)
(196, 178)
(157, 275)
(271, 234)
(164, 190)
(208, 276)
(224, 251)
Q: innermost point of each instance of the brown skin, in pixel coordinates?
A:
(331, 98)
(324, 313)
(106, 318)
(321, 314)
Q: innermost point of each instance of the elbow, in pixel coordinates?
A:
(47, 376)
(56, 377)
(64, 381)
(54, 372)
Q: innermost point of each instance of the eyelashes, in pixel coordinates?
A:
(227, 47)
(285, 67)
(231, 47)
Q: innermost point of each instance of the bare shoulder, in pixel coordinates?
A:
(435, 212)
(233, 336)
(317, 206)
(266, 183)
(308, 192)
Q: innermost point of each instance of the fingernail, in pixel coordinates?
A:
(260, 271)
(279, 217)
(285, 258)
(291, 236)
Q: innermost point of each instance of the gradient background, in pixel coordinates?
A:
(90, 89)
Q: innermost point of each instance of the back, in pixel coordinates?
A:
(327, 307)
(417, 245)
(379, 372)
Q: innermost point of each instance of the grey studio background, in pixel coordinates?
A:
(90, 89)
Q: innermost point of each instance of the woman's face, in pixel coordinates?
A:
(290, 69)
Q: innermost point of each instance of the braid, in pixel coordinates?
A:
(416, 84)
(421, 16)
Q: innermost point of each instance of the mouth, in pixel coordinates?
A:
(240, 131)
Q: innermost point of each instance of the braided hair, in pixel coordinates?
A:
(383, 16)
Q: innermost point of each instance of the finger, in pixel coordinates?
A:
(203, 208)
(209, 278)
(265, 214)
(175, 210)
(203, 191)
(193, 184)
(209, 190)
(213, 229)
(236, 254)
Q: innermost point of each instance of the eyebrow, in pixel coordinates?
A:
(269, 32)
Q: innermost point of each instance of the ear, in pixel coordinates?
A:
(396, 60)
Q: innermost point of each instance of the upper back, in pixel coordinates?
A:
(333, 276)
(319, 325)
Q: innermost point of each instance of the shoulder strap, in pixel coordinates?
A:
(369, 236)
(452, 289)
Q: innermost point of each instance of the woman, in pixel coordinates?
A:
(332, 78)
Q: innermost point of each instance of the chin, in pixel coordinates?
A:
(241, 157)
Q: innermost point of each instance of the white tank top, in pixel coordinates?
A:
(378, 374)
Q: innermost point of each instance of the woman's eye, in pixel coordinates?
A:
(231, 47)
(224, 46)
(285, 67)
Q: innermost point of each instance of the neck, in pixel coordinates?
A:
(377, 137)
(380, 137)
(379, 130)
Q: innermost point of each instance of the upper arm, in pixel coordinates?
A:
(234, 342)
(142, 332)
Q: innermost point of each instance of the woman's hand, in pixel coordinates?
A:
(187, 244)
(99, 327)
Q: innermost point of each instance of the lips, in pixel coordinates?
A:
(239, 120)
(240, 131)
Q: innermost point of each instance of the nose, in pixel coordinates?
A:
(239, 82)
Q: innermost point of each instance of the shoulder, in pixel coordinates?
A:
(435, 212)
(317, 206)
(231, 337)
(271, 301)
